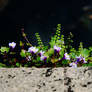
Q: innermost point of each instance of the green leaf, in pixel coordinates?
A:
(89, 58)
(52, 43)
(54, 60)
(26, 65)
(85, 52)
(50, 51)
(23, 53)
(62, 53)
(64, 62)
(12, 53)
(86, 65)
(45, 48)
(21, 44)
(27, 53)
(38, 59)
(72, 55)
(38, 64)
(28, 44)
(90, 48)
(2, 65)
(18, 64)
(4, 49)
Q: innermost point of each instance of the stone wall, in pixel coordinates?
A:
(46, 79)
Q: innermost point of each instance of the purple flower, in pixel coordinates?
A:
(73, 64)
(66, 56)
(12, 45)
(84, 61)
(57, 49)
(32, 50)
(41, 53)
(43, 58)
(80, 58)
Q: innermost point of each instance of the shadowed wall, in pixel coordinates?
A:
(43, 18)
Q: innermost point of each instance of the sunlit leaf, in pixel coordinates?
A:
(4, 49)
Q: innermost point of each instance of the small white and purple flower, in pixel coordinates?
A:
(84, 61)
(73, 64)
(12, 45)
(43, 58)
(66, 56)
(57, 49)
(80, 58)
(32, 50)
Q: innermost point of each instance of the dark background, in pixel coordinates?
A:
(43, 17)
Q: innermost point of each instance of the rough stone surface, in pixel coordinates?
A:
(79, 79)
(46, 79)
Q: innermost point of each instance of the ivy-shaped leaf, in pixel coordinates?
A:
(2, 65)
(4, 49)
(85, 52)
(23, 53)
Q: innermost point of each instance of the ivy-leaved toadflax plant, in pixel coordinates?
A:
(58, 53)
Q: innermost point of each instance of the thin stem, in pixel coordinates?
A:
(25, 37)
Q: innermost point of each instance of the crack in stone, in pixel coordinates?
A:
(89, 83)
(85, 85)
(69, 89)
(67, 82)
(48, 72)
(58, 80)
(39, 86)
(10, 76)
(89, 68)
(54, 90)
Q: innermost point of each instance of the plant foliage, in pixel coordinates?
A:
(59, 53)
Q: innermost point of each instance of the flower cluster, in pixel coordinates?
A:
(79, 60)
(59, 53)
(32, 50)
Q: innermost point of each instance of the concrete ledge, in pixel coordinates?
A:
(46, 79)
